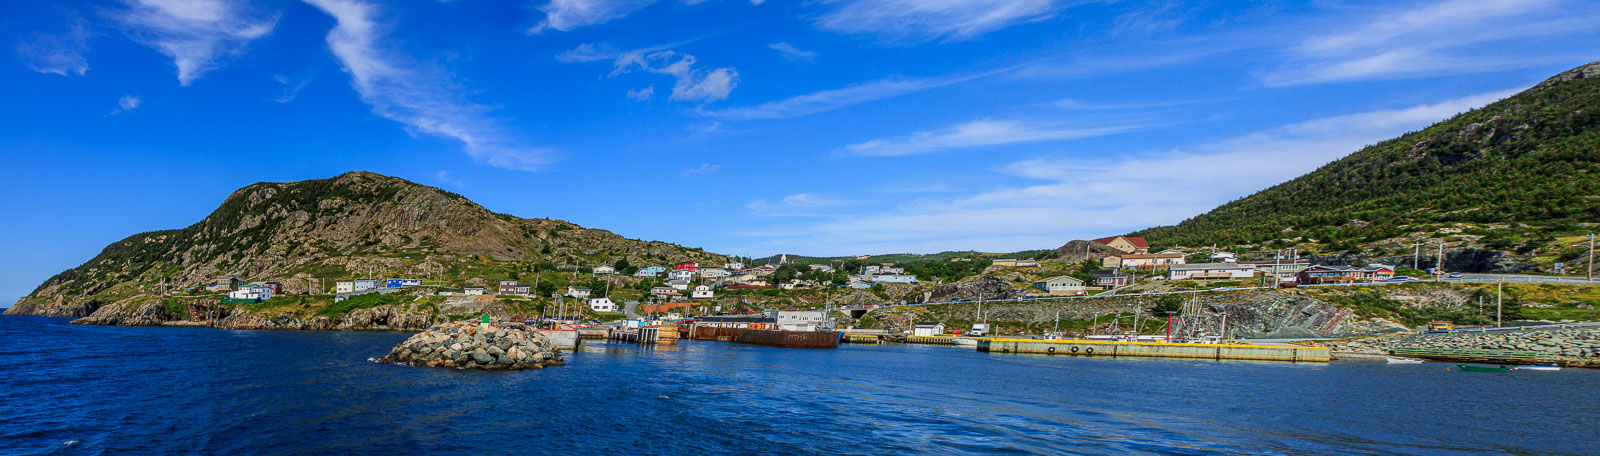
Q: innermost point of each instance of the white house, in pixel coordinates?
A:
(680, 274)
(1212, 271)
(602, 305)
(820, 267)
(701, 292)
(1061, 285)
(796, 320)
(578, 292)
(472, 291)
(678, 284)
(251, 292)
(604, 269)
(664, 291)
(734, 265)
(927, 329)
(1225, 257)
(894, 278)
(368, 284)
(344, 286)
(713, 273)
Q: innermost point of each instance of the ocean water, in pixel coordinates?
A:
(68, 389)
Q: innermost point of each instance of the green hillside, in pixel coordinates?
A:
(1530, 162)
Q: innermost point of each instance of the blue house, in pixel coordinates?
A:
(398, 283)
(650, 271)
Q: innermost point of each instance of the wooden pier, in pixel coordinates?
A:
(662, 335)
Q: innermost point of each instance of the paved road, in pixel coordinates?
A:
(1474, 278)
(1522, 278)
(627, 309)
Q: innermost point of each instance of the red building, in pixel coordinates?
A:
(687, 266)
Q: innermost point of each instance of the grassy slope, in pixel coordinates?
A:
(1533, 158)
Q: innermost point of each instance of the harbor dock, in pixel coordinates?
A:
(1080, 347)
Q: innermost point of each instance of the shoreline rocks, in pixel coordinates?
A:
(477, 346)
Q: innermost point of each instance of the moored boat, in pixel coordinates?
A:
(1394, 360)
(1551, 367)
(965, 342)
(1472, 368)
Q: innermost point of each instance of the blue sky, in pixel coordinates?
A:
(744, 127)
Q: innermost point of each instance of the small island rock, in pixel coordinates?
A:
(477, 347)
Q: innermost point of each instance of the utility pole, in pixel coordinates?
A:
(1591, 257)
(1224, 335)
(1497, 293)
(1416, 257)
(1439, 270)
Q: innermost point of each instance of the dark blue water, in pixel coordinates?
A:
(68, 389)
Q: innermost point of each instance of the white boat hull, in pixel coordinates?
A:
(1539, 368)
(1393, 360)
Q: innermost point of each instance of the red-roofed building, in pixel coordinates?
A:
(649, 309)
(686, 266)
(1126, 244)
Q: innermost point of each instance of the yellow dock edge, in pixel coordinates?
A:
(1113, 342)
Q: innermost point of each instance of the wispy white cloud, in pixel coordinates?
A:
(1086, 194)
(1448, 37)
(828, 100)
(198, 35)
(704, 168)
(589, 52)
(926, 20)
(127, 103)
(980, 133)
(642, 94)
(444, 177)
(792, 53)
(57, 54)
(796, 205)
(291, 87)
(565, 15)
(690, 83)
(421, 97)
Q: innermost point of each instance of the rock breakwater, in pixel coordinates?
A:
(477, 347)
(1583, 343)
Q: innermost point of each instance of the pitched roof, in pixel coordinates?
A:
(1136, 241)
(1052, 279)
(1146, 256)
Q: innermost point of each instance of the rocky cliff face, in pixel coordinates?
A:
(308, 234)
(1249, 314)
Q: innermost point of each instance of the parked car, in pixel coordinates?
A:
(1455, 275)
(1402, 279)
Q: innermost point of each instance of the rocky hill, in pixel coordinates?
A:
(309, 234)
(1520, 176)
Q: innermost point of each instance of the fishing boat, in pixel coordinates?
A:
(1472, 368)
(1394, 360)
(965, 342)
(1551, 367)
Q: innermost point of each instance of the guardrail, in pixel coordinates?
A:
(1518, 328)
(1215, 290)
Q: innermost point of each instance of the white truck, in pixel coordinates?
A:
(979, 329)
